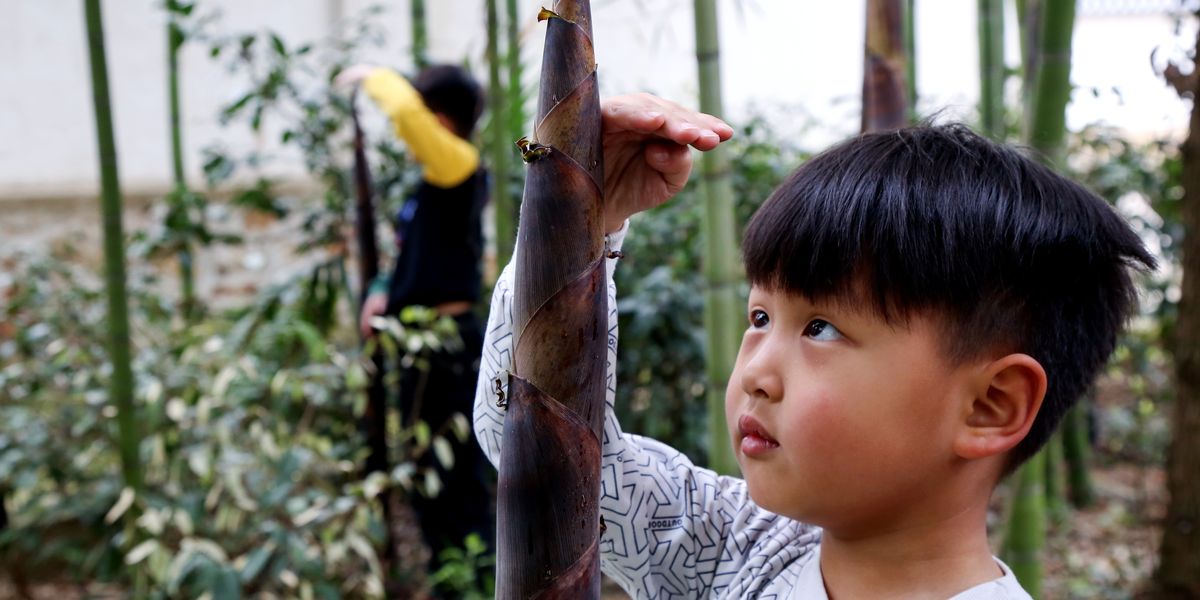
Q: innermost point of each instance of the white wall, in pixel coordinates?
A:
(789, 57)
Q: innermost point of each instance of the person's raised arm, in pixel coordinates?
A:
(446, 159)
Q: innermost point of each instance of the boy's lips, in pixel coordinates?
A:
(755, 440)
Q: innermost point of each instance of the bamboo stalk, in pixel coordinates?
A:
(1046, 132)
(420, 38)
(187, 277)
(500, 149)
(991, 68)
(885, 91)
(910, 63)
(515, 71)
(721, 272)
(1029, 18)
(1052, 79)
(1027, 525)
(548, 525)
(121, 380)
(1077, 452)
(1055, 484)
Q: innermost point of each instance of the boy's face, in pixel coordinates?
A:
(838, 418)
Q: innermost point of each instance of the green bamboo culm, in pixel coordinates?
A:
(420, 38)
(1050, 75)
(1027, 525)
(1055, 485)
(722, 313)
(179, 193)
(1052, 80)
(515, 71)
(500, 145)
(121, 381)
(991, 68)
(1077, 451)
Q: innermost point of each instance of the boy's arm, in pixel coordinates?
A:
(674, 530)
(446, 159)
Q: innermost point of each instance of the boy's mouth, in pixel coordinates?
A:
(755, 441)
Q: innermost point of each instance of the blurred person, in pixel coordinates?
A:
(439, 244)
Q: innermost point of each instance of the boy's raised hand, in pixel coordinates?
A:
(646, 156)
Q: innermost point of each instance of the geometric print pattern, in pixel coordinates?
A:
(673, 530)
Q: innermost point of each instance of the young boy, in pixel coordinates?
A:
(440, 242)
(924, 307)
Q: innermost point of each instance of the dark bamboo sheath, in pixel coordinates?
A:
(548, 526)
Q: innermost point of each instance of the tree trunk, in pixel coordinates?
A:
(420, 40)
(885, 90)
(1178, 574)
(187, 277)
(1046, 132)
(500, 146)
(991, 68)
(722, 321)
(121, 381)
(548, 525)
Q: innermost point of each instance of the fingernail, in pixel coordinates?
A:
(650, 115)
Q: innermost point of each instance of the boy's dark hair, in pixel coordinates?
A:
(450, 90)
(1004, 253)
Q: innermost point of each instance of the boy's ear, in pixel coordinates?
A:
(1007, 394)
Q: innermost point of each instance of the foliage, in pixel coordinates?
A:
(465, 571)
(251, 469)
(1143, 181)
(290, 95)
(661, 376)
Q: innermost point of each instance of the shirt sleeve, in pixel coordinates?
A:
(446, 159)
(674, 530)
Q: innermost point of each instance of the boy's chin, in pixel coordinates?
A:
(769, 496)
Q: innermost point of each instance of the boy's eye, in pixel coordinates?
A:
(759, 318)
(820, 329)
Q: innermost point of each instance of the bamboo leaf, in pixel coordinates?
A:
(443, 452)
(124, 501)
(278, 45)
(141, 551)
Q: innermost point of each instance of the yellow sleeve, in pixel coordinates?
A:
(446, 159)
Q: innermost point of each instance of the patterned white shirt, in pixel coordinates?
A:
(675, 530)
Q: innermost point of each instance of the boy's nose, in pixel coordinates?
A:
(760, 376)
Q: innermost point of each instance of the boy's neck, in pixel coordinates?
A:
(935, 557)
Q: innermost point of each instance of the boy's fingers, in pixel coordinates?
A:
(672, 160)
